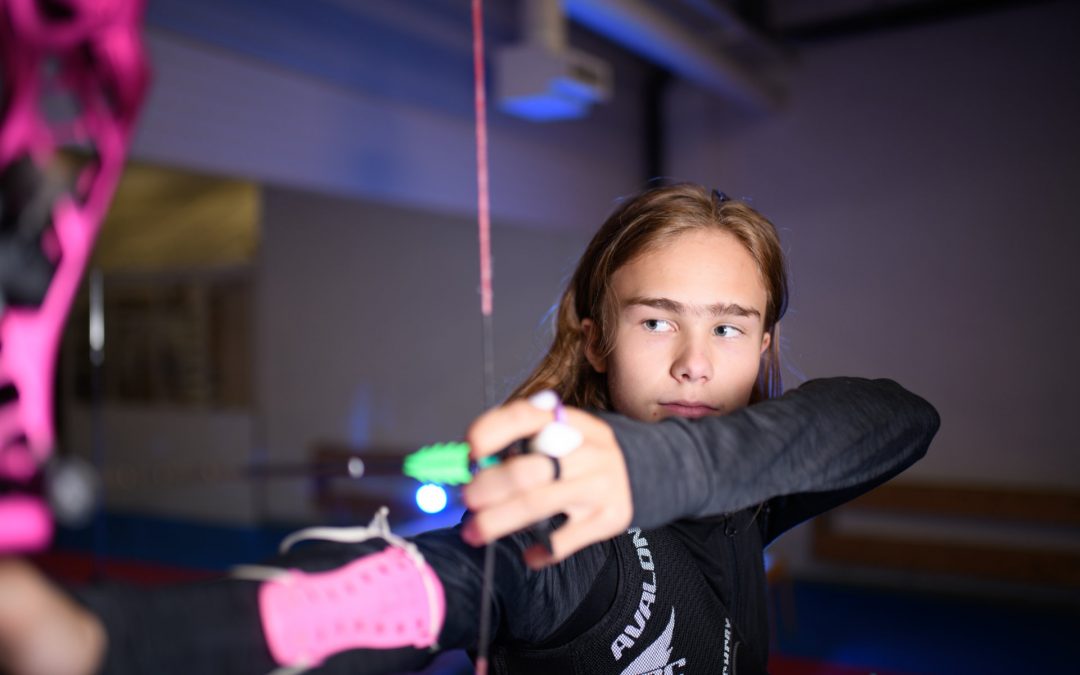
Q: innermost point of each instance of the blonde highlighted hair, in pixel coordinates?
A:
(636, 227)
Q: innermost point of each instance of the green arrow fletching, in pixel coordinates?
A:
(441, 463)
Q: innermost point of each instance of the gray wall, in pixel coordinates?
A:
(369, 323)
(925, 185)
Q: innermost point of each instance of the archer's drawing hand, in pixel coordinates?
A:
(42, 630)
(593, 488)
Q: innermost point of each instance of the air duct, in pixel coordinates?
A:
(542, 78)
(639, 27)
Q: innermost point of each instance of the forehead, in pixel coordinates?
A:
(700, 267)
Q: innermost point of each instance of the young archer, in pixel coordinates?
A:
(665, 353)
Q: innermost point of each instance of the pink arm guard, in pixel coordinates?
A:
(382, 601)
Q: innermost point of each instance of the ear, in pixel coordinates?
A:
(766, 340)
(592, 337)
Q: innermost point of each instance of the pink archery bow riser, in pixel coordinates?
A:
(89, 50)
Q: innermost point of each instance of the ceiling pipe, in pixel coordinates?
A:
(639, 27)
(545, 24)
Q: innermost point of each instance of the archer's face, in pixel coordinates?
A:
(690, 333)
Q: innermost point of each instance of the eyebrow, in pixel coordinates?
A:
(676, 307)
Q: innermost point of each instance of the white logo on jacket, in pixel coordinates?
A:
(633, 631)
(654, 659)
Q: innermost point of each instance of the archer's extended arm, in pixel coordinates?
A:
(813, 448)
(355, 600)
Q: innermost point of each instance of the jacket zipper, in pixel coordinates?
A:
(731, 530)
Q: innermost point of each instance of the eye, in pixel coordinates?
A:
(657, 325)
(727, 330)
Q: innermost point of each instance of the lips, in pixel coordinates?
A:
(690, 409)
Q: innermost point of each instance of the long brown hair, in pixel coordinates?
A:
(637, 226)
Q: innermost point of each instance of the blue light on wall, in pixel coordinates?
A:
(546, 107)
(431, 498)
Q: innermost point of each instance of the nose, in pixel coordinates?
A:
(692, 362)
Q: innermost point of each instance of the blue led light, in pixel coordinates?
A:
(431, 498)
(546, 107)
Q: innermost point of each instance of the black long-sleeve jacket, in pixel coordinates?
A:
(712, 492)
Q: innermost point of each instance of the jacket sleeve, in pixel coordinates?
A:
(528, 605)
(803, 453)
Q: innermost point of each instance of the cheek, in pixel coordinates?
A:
(632, 376)
(639, 361)
(624, 374)
(753, 365)
(620, 391)
(741, 372)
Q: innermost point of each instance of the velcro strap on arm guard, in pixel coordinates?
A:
(384, 600)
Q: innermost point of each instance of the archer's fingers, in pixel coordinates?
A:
(522, 511)
(516, 475)
(499, 427)
(574, 535)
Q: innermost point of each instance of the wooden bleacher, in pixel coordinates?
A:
(1056, 512)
